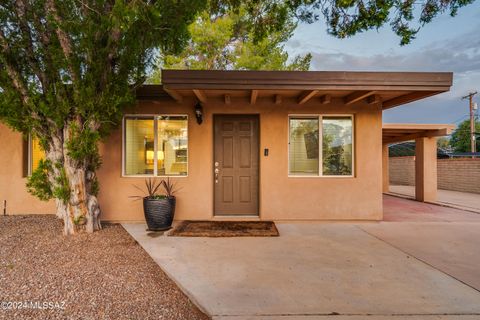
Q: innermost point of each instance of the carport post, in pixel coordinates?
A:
(385, 174)
(426, 169)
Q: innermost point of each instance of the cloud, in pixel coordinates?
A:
(460, 55)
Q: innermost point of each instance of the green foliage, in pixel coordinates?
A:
(460, 140)
(61, 190)
(83, 143)
(38, 184)
(443, 143)
(95, 187)
(346, 18)
(79, 220)
(69, 69)
(152, 189)
(227, 41)
(335, 160)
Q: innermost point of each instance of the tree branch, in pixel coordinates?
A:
(65, 41)
(20, 9)
(12, 71)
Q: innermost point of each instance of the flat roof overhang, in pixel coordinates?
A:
(397, 132)
(389, 88)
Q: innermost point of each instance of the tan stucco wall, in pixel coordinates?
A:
(12, 184)
(281, 197)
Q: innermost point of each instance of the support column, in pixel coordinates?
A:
(385, 173)
(426, 169)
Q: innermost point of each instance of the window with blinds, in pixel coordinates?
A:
(155, 145)
(321, 146)
(304, 146)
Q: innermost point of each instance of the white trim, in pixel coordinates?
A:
(155, 129)
(320, 117)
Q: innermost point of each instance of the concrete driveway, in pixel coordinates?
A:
(406, 269)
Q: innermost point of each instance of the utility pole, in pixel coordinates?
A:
(473, 146)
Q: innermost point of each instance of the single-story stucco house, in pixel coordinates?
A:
(269, 145)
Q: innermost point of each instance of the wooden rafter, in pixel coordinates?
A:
(325, 99)
(253, 96)
(375, 98)
(406, 98)
(174, 94)
(306, 95)
(357, 96)
(201, 96)
(278, 99)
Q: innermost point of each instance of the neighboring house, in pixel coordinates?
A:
(273, 145)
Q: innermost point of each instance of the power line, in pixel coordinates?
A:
(473, 145)
(461, 118)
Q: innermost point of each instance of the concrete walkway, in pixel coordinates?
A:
(407, 269)
(455, 199)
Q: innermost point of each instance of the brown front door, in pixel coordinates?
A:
(236, 164)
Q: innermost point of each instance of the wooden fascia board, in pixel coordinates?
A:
(308, 78)
(265, 86)
(424, 134)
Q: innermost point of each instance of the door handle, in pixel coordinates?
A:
(216, 173)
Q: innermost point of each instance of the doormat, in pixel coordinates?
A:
(224, 229)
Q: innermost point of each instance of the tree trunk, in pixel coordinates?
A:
(55, 155)
(81, 211)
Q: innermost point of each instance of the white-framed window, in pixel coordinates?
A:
(155, 145)
(321, 145)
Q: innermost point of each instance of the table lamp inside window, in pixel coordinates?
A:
(150, 155)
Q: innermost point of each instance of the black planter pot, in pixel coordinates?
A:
(159, 213)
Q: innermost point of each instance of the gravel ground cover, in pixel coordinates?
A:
(105, 275)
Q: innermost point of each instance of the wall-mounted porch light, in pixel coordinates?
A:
(199, 112)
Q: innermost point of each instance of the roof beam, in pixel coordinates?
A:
(253, 96)
(357, 96)
(278, 99)
(325, 99)
(227, 99)
(174, 94)
(305, 96)
(201, 96)
(413, 136)
(375, 98)
(406, 98)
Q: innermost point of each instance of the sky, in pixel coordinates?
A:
(445, 44)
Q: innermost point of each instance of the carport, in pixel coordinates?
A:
(425, 137)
